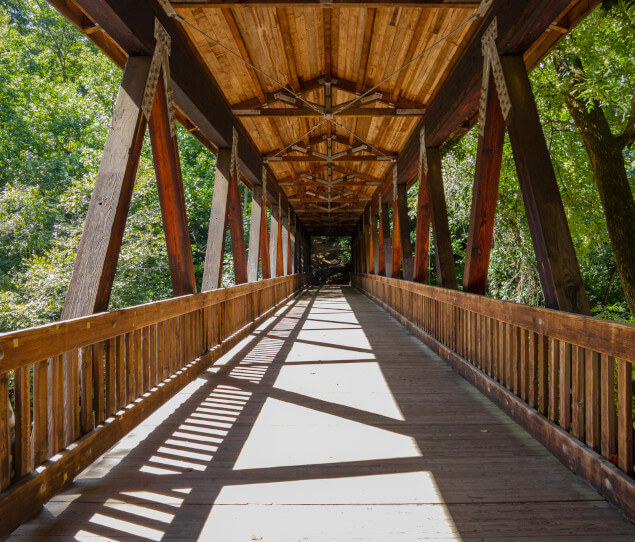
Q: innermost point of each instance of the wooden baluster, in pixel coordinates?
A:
(625, 416)
(524, 369)
(120, 371)
(502, 353)
(607, 402)
(40, 413)
(86, 419)
(22, 447)
(56, 410)
(543, 371)
(145, 358)
(577, 392)
(554, 365)
(130, 367)
(565, 385)
(111, 380)
(592, 399)
(98, 382)
(5, 445)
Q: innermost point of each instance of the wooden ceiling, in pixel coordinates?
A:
(320, 54)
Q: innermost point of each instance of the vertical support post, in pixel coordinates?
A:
(255, 237)
(368, 247)
(171, 197)
(236, 228)
(285, 242)
(558, 266)
(422, 235)
(385, 243)
(265, 262)
(98, 252)
(404, 231)
(214, 253)
(442, 241)
(274, 234)
(374, 234)
(396, 243)
(292, 225)
(489, 156)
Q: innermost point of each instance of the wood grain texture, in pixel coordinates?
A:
(558, 266)
(378, 465)
(98, 251)
(213, 269)
(446, 271)
(171, 196)
(489, 156)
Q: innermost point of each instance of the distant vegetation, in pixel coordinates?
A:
(56, 97)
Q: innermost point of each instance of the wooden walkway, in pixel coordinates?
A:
(330, 422)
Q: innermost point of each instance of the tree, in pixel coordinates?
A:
(595, 69)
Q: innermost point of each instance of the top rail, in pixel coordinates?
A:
(20, 348)
(611, 338)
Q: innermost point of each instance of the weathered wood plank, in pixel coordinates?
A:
(98, 251)
(446, 271)
(214, 253)
(489, 156)
(558, 266)
(171, 196)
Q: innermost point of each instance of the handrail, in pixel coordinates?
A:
(87, 382)
(554, 372)
(19, 348)
(604, 336)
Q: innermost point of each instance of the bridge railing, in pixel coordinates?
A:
(80, 385)
(567, 379)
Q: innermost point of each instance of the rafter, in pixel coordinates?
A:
(273, 98)
(309, 112)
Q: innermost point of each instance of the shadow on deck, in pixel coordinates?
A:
(330, 422)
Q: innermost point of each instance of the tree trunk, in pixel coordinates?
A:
(607, 161)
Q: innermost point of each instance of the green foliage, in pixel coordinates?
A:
(57, 93)
(56, 97)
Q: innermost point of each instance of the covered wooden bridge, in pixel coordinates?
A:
(272, 410)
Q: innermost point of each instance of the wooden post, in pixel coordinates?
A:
(284, 246)
(442, 241)
(558, 267)
(255, 237)
(385, 243)
(396, 243)
(292, 224)
(484, 195)
(236, 229)
(213, 269)
(171, 197)
(374, 234)
(265, 262)
(98, 252)
(273, 239)
(422, 234)
(368, 247)
(404, 231)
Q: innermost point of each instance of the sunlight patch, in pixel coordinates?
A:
(287, 434)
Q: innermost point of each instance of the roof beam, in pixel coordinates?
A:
(309, 112)
(340, 157)
(456, 100)
(196, 93)
(442, 4)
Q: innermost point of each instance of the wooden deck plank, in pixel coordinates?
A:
(330, 422)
